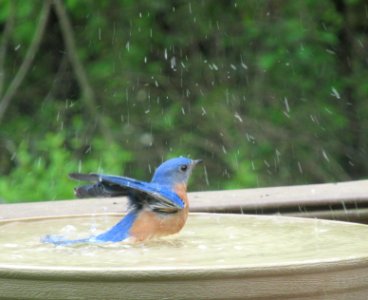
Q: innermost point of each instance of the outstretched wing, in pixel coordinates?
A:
(156, 197)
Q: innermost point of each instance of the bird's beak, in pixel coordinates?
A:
(197, 161)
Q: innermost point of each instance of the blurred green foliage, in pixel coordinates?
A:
(266, 92)
(44, 177)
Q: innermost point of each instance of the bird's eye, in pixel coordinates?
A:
(183, 168)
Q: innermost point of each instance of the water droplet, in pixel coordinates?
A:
(173, 62)
(335, 93)
(244, 66)
(266, 163)
(238, 117)
(287, 107)
(300, 167)
(325, 156)
(206, 176)
(203, 111)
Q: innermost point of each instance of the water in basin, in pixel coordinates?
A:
(207, 240)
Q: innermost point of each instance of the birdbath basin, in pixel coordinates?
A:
(215, 256)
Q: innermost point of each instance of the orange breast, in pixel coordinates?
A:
(149, 224)
(181, 190)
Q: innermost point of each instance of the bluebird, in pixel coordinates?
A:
(155, 208)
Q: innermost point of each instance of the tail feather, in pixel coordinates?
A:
(61, 241)
(120, 231)
(117, 233)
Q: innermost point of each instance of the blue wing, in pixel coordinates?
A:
(157, 197)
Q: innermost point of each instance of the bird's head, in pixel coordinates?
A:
(174, 171)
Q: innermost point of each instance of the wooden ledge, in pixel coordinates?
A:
(346, 201)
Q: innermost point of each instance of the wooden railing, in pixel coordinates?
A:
(346, 201)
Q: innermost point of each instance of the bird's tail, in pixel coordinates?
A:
(61, 241)
(117, 233)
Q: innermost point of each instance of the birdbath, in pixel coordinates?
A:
(215, 256)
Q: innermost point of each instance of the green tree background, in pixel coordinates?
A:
(266, 92)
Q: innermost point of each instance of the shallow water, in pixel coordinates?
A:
(206, 240)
